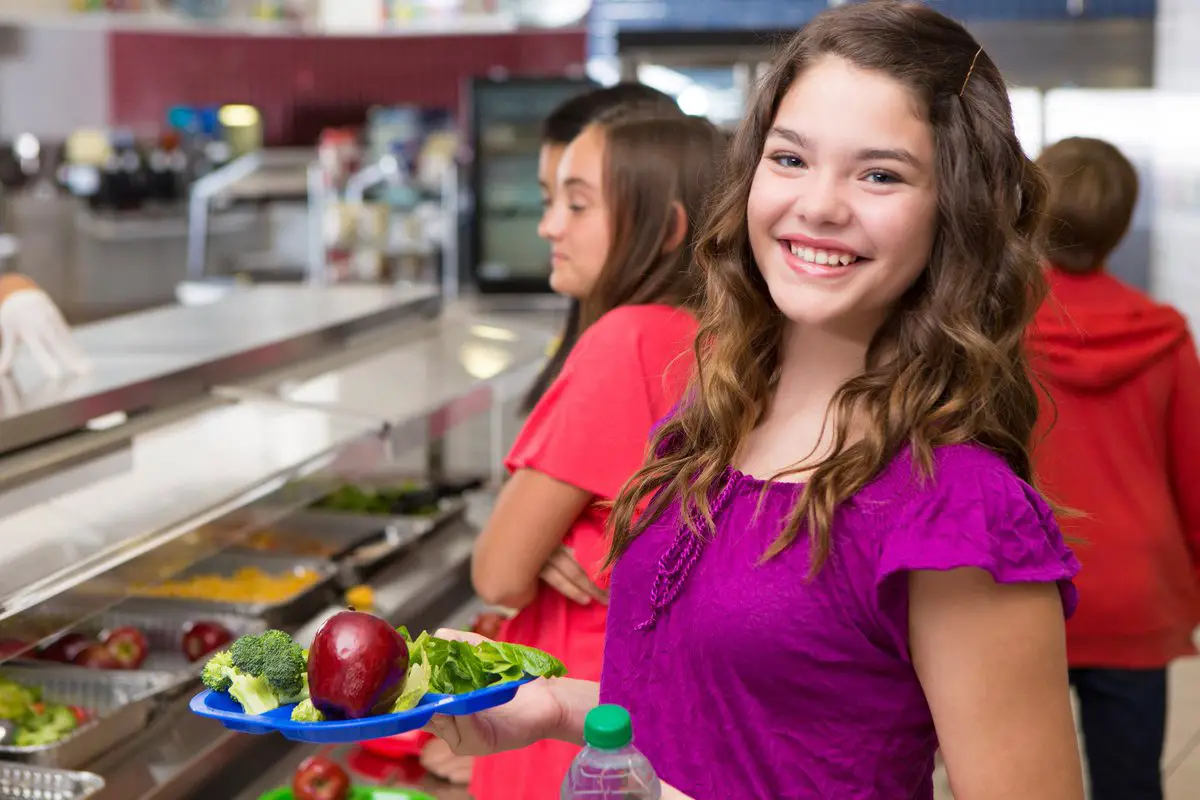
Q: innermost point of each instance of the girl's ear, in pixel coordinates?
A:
(677, 235)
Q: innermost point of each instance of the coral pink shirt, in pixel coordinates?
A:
(590, 430)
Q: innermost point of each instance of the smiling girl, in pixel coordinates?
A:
(843, 564)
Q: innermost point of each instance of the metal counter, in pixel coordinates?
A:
(165, 356)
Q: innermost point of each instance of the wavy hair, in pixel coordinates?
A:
(947, 366)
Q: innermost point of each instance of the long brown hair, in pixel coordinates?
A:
(946, 367)
(609, 103)
(653, 169)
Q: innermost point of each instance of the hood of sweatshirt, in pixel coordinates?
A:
(1095, 333)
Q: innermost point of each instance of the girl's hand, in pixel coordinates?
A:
(564, 574)
(544, 709)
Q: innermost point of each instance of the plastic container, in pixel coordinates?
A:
(610, 767)
(227, 711)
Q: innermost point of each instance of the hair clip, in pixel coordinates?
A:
(967, 79)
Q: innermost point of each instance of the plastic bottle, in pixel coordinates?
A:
(610, 767)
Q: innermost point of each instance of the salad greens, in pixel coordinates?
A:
(458, 667)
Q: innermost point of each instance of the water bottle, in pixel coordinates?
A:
(610, 767)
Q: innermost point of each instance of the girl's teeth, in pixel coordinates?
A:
(823, 257)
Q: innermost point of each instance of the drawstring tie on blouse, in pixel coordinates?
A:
(676, 562)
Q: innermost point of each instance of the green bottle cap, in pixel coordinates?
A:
(608, 728)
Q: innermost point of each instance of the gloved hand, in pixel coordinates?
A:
(29, 317)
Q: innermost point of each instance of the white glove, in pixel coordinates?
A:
(29, 317)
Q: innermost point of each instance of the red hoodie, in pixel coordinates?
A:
(1123, 448)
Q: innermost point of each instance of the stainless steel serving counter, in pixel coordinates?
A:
(225, 420)
(164, 356)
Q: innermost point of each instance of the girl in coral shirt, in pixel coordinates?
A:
(627, 193)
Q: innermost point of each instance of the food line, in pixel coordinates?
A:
(332, 507)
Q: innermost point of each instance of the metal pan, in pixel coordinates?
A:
(163, 623)
(394, 536)
(285, 613)
(311, 536)
(122, 703)
(24, 782)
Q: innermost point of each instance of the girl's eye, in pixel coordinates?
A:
(576, 208)
(875, 176)
(788, 161)
(546, 203)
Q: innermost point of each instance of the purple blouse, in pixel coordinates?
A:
(744, 681)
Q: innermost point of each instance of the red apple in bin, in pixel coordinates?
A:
(202, 638)
(318, 778)
(96, 656)
(65, 648)
(356, 666)
(128, 646)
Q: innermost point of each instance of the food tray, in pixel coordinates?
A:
(461, 705)
(285, 613)
(337, 537)
(23, 782)
(224, 709)
(389, 537)
(163, 623)
(122, 703)
(356, 793)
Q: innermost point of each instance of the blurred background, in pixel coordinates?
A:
(180, 174)
(110, 110)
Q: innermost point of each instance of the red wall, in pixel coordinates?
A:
(304, 84)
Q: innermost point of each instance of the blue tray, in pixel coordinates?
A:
(461, 705)
(227, 711)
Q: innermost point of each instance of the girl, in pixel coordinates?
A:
(619, 227)
(843, 564)
(565, 123)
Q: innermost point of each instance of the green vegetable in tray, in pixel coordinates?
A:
(32, 722)
(16, 701)
(52, 723)
(261, 672)
(305, 711)
(407, 500)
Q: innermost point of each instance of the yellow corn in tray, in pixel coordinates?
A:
(247, 585)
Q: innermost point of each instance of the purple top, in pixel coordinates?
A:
(743, 680)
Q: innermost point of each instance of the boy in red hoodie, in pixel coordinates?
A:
(1121, 426)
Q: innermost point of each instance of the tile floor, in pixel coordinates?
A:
(1181, 759)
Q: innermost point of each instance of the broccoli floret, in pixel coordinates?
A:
(15, 701)
(305, 711)
(254, 694)
(216, 675)
(55, 722)
(286, 670)
(248, 655)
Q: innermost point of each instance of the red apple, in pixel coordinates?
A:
(318, 778)
(96, 656)
(202, 638)
(128, 646)
(356, 666)
(65, 648)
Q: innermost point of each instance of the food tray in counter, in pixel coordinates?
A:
(163, 623)
(388, 537)
(282, 591)
(121, 704)
(312, 536)
(24, 782)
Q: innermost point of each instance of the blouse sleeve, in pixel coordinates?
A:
(980, 516)
(590, 429)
